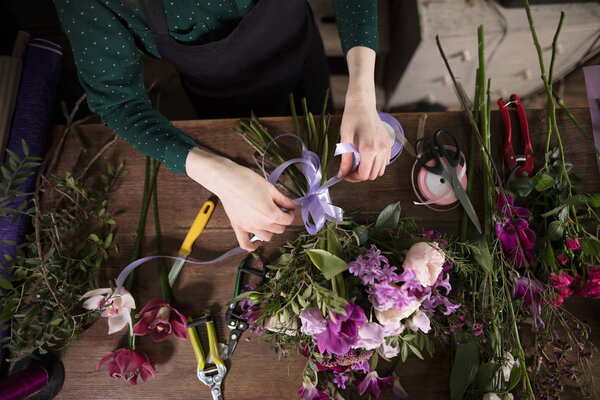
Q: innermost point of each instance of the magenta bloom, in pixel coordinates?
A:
(517, 239)
(308, 391)
(373, 384)
(573, 244)
(561, 284)
(562, 259)
(529, 290)
(591, 289)
(128, 364)
(342, 334)
(159, 319)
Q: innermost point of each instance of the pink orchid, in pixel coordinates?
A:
(573, 244)
(308, 391)
(562, 259)
(159, 319)
(114, 306)
(591, 289)
(373, 384)
(128, 365)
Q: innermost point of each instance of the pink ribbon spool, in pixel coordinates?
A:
(432, 189)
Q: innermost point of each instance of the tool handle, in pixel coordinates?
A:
(197, 227)
(213, 344)
(510, 159)
(454, 158)
(198, 351)
(527, 150)
(437, 168)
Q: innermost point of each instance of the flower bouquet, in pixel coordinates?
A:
(353, 295)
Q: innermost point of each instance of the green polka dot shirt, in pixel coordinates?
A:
(108, 38)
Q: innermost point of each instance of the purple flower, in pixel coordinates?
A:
(362, 366)
(370, 267)
(411, 283)
(370, 336)
(477, 329)
(398, 389)
(385, 296)
(388, 275)
(390, 351)
(373, 384)
(529, 290)
(342, 331)
(340, 380)
(562, 259)
(517, 239)
(310, 392)
(313, 322)
(445, 283)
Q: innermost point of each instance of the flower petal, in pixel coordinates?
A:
(118, 322)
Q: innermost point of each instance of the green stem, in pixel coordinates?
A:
(294, 115)
(163, 277)
(554, 42)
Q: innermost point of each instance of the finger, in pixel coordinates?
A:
(384, 164)
(282, 217)
(282, 200)
(244, 242)
(365, 167)
(345, 165)
(266, 236)
(276, 228)
(376, 166)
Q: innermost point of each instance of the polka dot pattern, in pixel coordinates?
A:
(109, 37)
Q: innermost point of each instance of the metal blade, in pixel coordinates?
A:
(462, 197)
(176, 269)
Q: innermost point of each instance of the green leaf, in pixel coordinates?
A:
(554, 211)
(25, 147)
(333, 242)
(464, 369)
(577, 200)
(329, 264)
(544, 182)
(5, 284)
(594, 201)
(522, 186)
(590, 245)
(556, 230)
(515, 377)
(362, 234)
(484, 375)
(481, 254)
(415, 351)
(549, 255)
(389, 217)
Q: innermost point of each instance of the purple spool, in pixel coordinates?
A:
(33, 110)
(398, 134)
(24, 384)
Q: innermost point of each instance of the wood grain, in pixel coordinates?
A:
(254, 371)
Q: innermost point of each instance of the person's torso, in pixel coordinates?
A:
(190, 22)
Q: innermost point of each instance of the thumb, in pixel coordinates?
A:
(281, 200)
(345, 165)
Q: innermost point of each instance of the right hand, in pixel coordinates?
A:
(251, 203)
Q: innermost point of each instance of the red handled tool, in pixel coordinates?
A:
(521, 165)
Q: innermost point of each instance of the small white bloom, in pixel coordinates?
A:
(114, 306)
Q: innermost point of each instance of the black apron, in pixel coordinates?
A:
(275, 50)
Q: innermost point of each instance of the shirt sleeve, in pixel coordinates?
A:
(110, 70)
(357, 23)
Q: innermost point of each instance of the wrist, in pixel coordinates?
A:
(361, 70)
(208, 169)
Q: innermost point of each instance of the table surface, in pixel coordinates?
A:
(254, 371)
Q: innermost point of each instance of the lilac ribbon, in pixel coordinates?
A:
(316, 204)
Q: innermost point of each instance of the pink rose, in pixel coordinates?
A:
(370, 336)
(426, 261)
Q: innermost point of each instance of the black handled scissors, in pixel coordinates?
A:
(445, 165)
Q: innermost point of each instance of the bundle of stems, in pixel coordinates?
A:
(315, 138)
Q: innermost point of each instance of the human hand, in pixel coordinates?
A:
(362, 127)
(251, 203)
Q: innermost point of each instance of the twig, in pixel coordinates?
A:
(98, 155)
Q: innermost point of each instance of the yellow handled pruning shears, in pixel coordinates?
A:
(213, 376)
(195, 231)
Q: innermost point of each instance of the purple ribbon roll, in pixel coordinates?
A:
(33, 110)
(24, 384)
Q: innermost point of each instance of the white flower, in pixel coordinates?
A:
(495, 396)
(114, 306)
(507, 365)
(390, 351)
(420, 321)
(391, 318)
(289, 328)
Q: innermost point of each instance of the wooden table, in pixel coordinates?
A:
(254, 371)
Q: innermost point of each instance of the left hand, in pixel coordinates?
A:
(362, 127)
